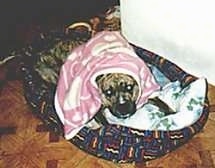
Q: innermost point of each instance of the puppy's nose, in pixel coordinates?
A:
(123, 108)
(126, 108)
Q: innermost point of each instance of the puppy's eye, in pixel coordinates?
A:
(108, 92)
(129, 88)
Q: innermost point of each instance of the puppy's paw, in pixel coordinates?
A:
(163, 107)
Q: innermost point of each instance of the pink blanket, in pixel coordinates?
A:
(77, 98)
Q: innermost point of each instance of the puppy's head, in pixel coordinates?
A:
(119, 93)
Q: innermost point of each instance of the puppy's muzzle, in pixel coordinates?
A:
(125, 109)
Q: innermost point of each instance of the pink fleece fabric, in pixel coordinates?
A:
(77, 97)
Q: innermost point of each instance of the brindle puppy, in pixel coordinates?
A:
(119, 93)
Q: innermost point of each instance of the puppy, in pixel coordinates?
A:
(119, 93)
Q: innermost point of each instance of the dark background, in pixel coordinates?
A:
(21, 17)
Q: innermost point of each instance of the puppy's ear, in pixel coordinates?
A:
(98, 78)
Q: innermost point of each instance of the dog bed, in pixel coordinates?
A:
(113, 142)
(117, 143)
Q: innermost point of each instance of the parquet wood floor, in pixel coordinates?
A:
(26, 143)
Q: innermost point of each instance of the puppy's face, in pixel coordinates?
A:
(119, 93)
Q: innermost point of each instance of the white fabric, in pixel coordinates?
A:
(187, 102)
